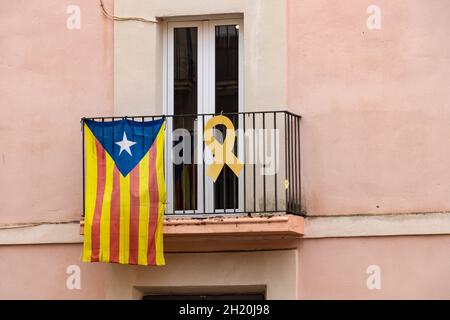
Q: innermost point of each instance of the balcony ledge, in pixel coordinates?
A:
(214, 234)
(278, 225)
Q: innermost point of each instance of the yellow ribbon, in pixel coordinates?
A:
(222, 153)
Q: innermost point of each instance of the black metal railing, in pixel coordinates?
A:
(266, 143)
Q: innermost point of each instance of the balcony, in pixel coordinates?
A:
(262, 195)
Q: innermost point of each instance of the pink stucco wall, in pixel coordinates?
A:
(374, 137)
(49, 78)
(40, 272)
(413, 267)
(375, 104)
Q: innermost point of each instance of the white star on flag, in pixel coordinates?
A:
(125, 144)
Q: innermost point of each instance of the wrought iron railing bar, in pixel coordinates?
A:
(183, 193)
(299, 176)
(286, 181)
(224, 175)
(193, 115)
(235, 187)
(194, 165)
(264, 155)
(293, 171)
(245, 160)
(295, 163)
(84, 171)
(276, 162)
(254, 163)
(203, 163)
(288, 168)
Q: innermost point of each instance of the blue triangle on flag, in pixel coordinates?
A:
(126, 141)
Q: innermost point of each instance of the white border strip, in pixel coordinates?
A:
(315, 227)
(41, 234)
(377, 225)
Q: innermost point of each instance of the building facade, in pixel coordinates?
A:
(359, 207)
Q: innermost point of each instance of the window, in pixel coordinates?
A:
(204, 76)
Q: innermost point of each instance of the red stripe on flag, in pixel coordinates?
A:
(101, 180)
(153, 211)
(134, 216)
(114, 223)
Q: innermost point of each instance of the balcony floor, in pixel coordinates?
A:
(231, 233)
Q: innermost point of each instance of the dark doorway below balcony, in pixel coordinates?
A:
(240, 296)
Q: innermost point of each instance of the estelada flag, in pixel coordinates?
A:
(124, 192)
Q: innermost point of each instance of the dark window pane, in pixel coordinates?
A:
(227, 100)
(185, 102)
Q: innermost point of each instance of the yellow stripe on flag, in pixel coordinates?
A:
(162, 196)
(106, 211)
(124, 242)
(144, 200)
(91, 190)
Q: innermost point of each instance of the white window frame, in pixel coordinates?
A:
(205, 104)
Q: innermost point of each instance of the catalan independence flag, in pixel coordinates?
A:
(124, 192)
